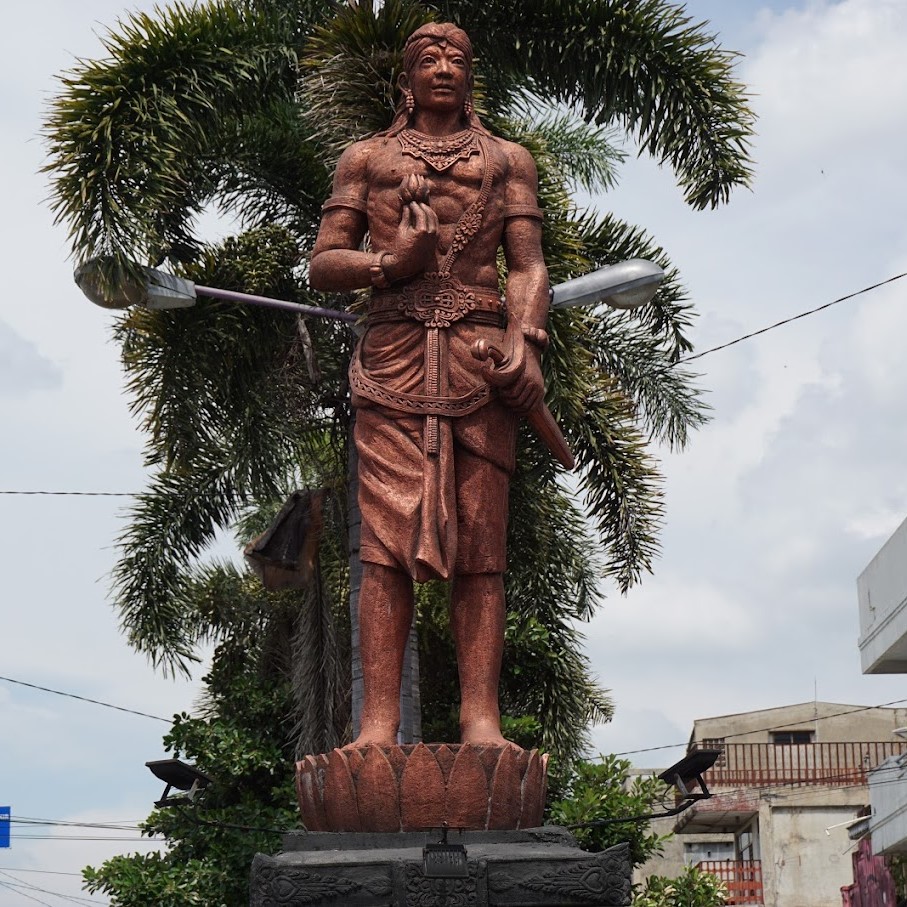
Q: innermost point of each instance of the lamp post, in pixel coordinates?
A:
(627, 285)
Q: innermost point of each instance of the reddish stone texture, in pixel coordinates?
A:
(422, 789)
(468, 799)
(533, 791)
(506, 791)
(412, 788)
(443, 372)
(377, 793)
(338, 794)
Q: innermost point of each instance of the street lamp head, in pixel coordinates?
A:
(627, 285)
(114, 288)
(691, 768)
(182, 776)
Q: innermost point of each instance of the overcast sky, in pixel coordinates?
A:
(772, 511)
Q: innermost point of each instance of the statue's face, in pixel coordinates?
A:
(440, 80)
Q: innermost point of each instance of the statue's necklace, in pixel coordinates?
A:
(439, 153)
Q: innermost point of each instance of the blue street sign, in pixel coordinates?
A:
(4, 826)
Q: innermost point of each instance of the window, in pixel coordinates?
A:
(792, 738)
(715, 743)
(707, 851)
(748, 844)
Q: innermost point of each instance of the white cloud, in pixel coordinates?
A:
(829, 76)
(22, 368)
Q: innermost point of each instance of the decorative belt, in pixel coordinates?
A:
(437, 300)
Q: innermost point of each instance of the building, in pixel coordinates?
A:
(882, 593)
(788, 784)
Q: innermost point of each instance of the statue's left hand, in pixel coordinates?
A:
(514, 370)
(528, 389)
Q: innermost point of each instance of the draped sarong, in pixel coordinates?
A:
(433, 503)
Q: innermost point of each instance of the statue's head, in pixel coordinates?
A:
(443, 33)
(436, 40)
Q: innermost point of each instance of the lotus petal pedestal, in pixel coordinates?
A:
(424, 786)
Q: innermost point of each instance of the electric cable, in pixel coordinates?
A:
(23, 837)
(108, 705)
(769, 728)
(785, 321)
(76, 494)
(47, 872)
(15, 889)
(75, 899)
(108, 826)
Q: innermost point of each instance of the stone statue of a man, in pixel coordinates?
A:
(438, 196)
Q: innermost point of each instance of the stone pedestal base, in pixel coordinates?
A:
(420, 787)
(541, 866)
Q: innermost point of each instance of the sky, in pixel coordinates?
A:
(772, 511)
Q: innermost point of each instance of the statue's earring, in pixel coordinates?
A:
(467, 107)
(409, 100)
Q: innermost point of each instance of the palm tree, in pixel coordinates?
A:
(246, 104)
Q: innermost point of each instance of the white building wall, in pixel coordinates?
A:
(882, 591)
(801, 865)
(888, 796)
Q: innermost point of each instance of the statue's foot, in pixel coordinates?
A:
(483, 733)
(375, 735)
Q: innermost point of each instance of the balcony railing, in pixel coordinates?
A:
(832, 764)
(743, 879)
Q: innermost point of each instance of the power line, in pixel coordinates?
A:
(139, 840)
(107, 705)
(75, 899)
(15, 888)
(109, 826)
(772, 727)
(79, 494)
(779, 324)
(46, 872)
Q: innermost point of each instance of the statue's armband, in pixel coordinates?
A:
(345, 201)
(523, 211)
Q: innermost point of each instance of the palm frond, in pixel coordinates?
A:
(128, 136)
(349, 70)
(586, 156)
(643, 65)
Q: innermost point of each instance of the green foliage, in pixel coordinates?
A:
(603, 790)
(243, 742)
(692, 888)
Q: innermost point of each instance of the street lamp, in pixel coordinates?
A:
(680, 776)
(627, 285)
(160, 290)
(180, 775)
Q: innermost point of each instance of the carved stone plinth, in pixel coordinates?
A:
(412, 788)
(541, 866)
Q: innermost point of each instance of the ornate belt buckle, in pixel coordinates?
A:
(438, 300)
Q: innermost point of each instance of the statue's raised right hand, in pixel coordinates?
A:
(413, 250)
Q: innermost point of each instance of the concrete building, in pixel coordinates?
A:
(788, 783)
(882, 593)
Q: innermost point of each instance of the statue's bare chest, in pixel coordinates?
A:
(454, 181)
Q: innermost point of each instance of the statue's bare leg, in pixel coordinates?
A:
(477, 619)
(385, 617)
